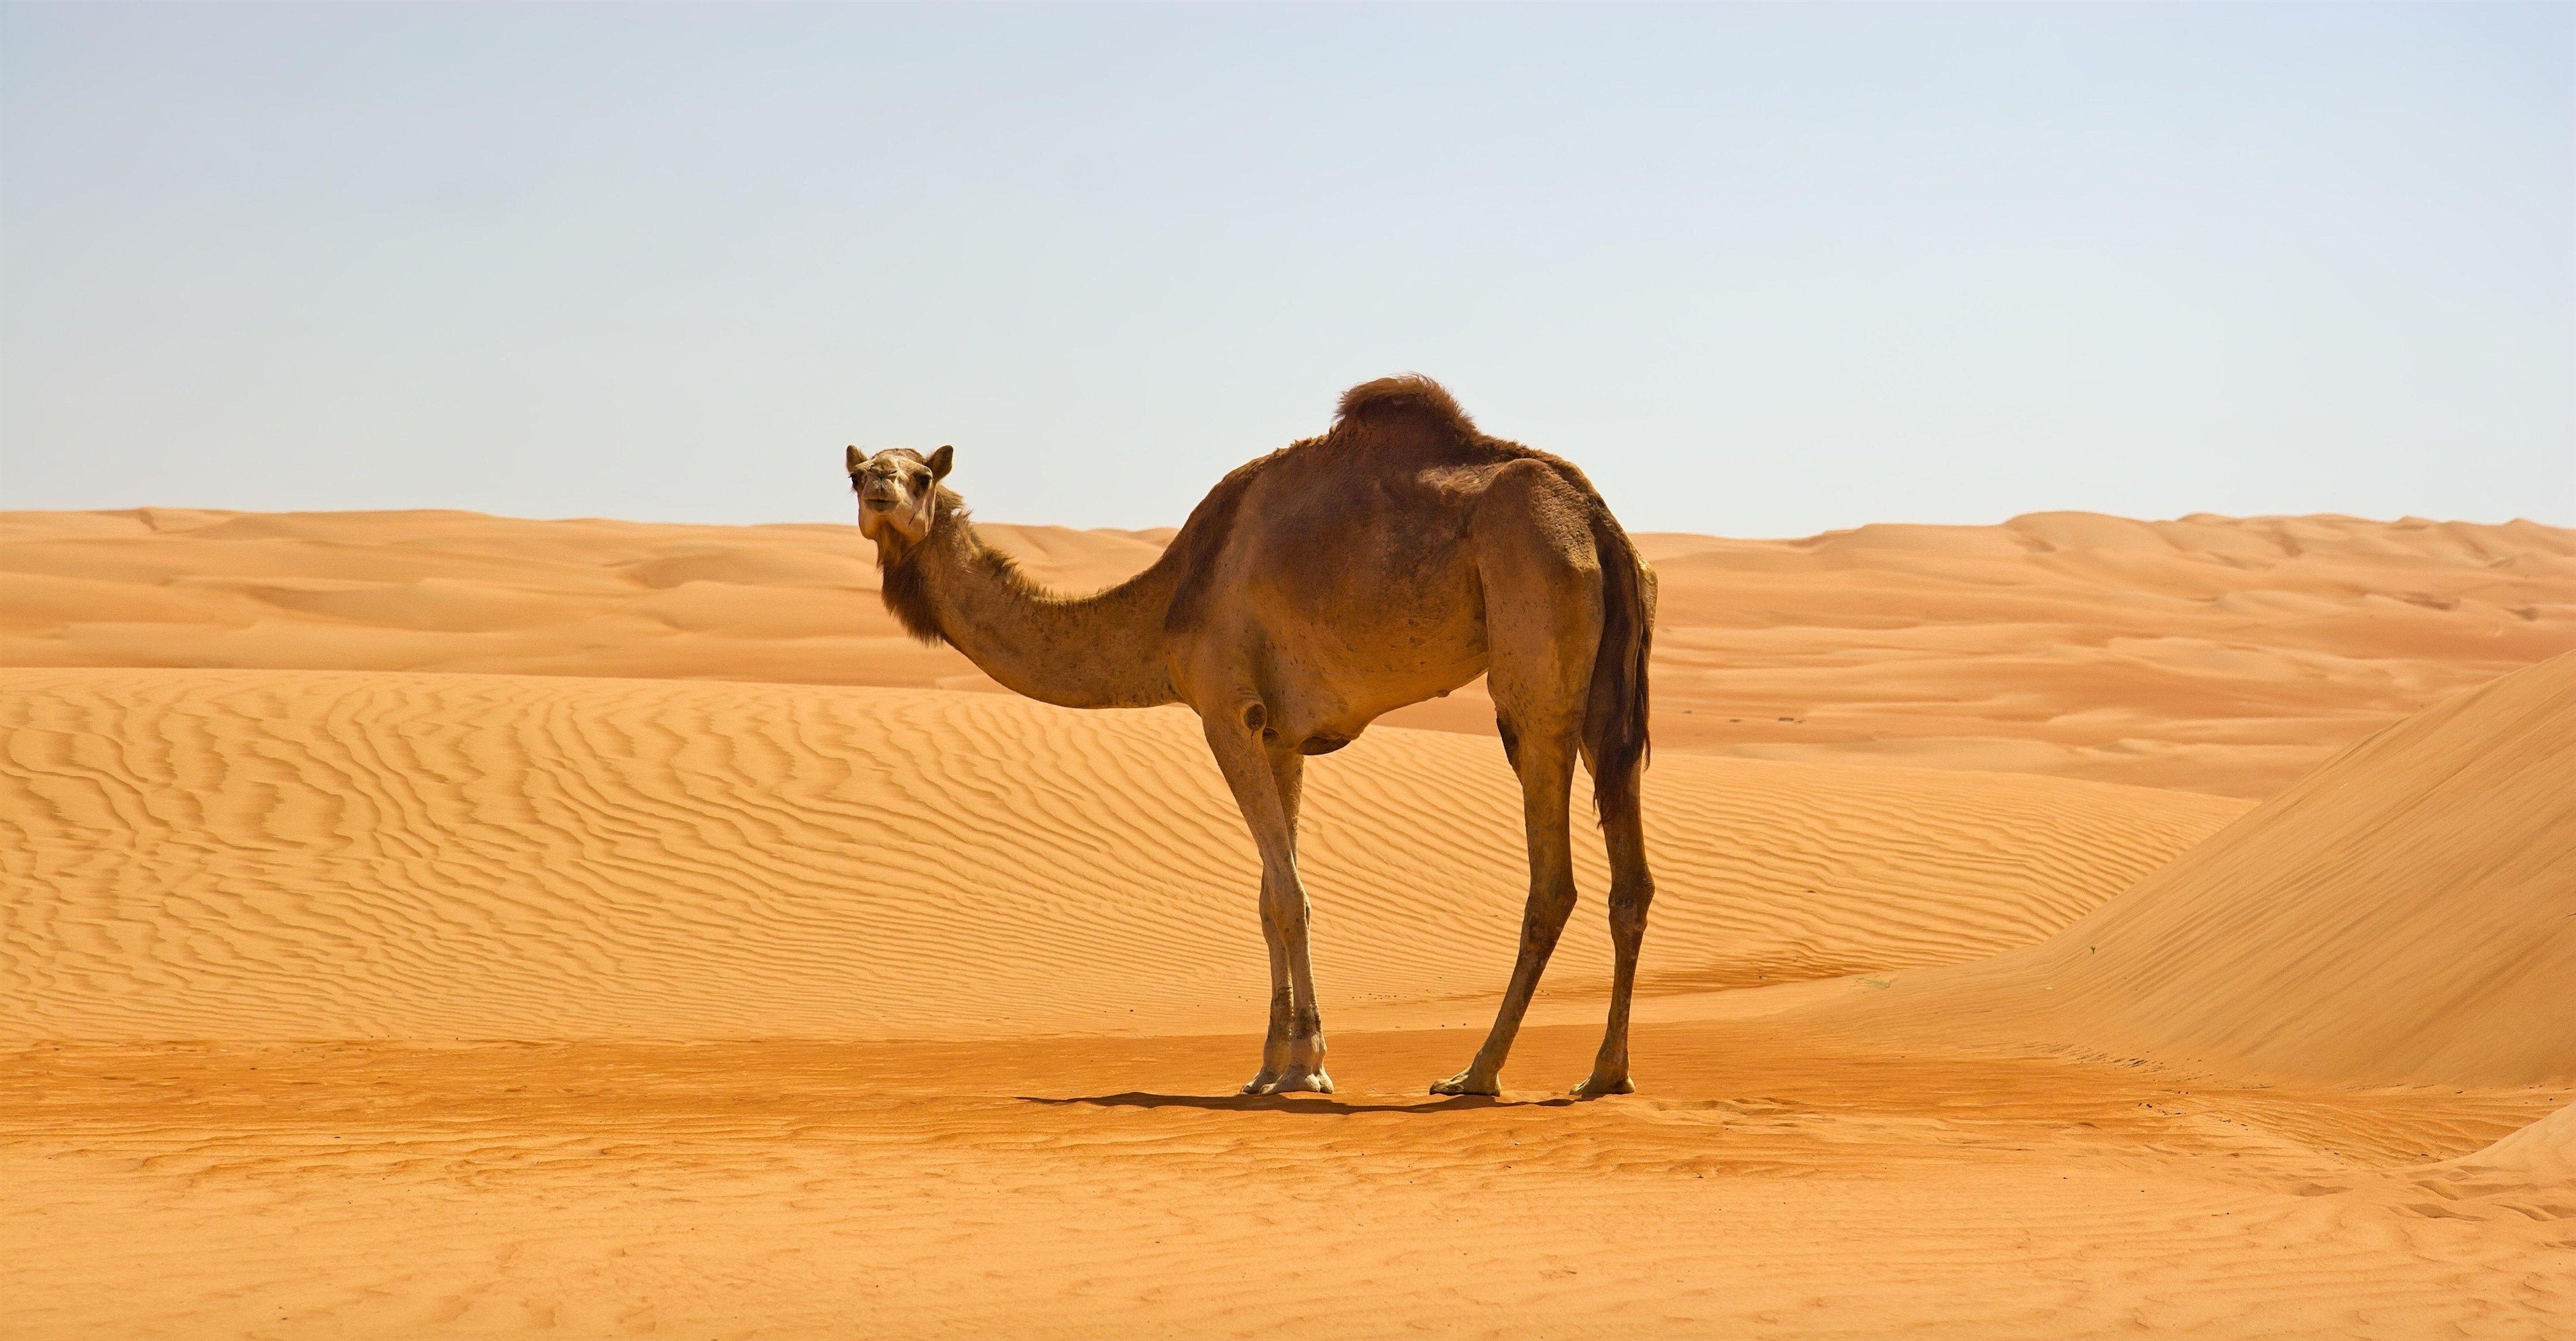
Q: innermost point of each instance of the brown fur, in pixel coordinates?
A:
(1406, 395)
(1615, 722)
(900, 578)
(1390, 560)
(1193, 551)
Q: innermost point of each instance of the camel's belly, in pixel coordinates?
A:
(1320, 712)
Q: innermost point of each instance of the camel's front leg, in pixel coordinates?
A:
(1266, 791)
(1274, 1044)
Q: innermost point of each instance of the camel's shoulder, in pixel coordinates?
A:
(1200, 543)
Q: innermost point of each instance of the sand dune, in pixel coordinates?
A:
(2529, 1174)
(2540, 1158)
(2404, 915)
(2212, 654)
(289, 855)
(435, 925)
(2545, 1150)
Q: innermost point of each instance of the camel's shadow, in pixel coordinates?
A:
(1296, 1103)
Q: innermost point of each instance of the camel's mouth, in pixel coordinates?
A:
(875, 495)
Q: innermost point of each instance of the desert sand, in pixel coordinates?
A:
(428, 924)
(2207, 654)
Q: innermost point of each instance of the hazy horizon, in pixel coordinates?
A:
(1761, 271)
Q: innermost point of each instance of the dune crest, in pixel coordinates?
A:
(2542, 1153)
(2405, 915)
(2226, 655)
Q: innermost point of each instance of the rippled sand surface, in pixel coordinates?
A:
(2215, 654)
(426, 925)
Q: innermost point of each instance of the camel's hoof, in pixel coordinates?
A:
(1260, 1084)
(1301, 1082)
(1597, 1087)
(1468, 1082)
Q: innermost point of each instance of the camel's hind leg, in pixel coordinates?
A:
(1632, 890)
(1542, 632)
(1545, 762)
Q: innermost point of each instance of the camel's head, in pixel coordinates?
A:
(898, 491)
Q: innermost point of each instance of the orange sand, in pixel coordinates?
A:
(2208, 654)
(2405, 915)
(339, 999)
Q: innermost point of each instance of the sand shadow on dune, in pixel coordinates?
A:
(1295, 1103)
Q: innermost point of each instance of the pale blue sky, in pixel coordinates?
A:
(1761, 270)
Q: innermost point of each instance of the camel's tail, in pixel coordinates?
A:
(1614, 721)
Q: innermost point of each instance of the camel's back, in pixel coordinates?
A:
(1349, 561)
(1372, 514)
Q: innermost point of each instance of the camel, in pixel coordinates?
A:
(1391, 560)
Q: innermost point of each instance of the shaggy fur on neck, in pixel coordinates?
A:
(906, 589)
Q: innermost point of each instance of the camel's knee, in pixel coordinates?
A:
(1283, 905)
(1629, 901)
(1549, 905)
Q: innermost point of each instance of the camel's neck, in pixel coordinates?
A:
(1104, 650)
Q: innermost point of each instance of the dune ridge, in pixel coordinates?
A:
(387, 997)
(2404, 915)
(281, 855)
(2227, 655)
(2543, 1153)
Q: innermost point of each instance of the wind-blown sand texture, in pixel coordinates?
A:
(2209, 654)
(2404, 915)
(341, 999)
(649, 860)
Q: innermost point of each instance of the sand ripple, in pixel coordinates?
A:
(2217, 654)
(209, 854)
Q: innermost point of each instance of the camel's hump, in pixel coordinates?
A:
(1405, 396)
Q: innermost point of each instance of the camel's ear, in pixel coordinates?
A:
(857, 459)
(940, 461)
